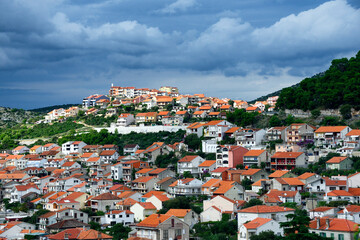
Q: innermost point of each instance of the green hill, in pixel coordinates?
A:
(339, 85)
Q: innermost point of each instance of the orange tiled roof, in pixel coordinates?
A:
(335, 224)
(153, 220)
(180, 213)
(336, 160)
(326, 129)
(287, 154)
(306, 175)
(266, 209)
(254, 153)
(278, 173)
(257, 222)
(188, 158)
(207, 163)
(354, 132)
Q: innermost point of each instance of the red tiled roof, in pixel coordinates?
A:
(328, 129)
(257, 222)
(188, 158)
(335, 224)
(336, 160)
(287, 154)
(266, 209)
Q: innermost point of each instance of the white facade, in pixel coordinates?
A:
(113, 217)
(72, 147)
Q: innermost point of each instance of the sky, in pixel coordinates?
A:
(60, 51)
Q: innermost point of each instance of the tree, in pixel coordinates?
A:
(315, 113)
(297, 226)
(193, 141)
(246, 183)
(253, 202)
(345, 111)
(266, 235)
(119, 231)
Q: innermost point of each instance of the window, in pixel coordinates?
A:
(322, 234)
(341, 236)
(166, 234)
(332, 236)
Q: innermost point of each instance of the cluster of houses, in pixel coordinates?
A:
(131, 190)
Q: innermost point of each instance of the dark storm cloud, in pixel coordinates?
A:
(71, 48)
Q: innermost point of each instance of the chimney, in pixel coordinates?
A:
(66, 236)
(317, 223)
(327, 223)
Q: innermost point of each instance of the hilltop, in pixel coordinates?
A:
(336, 87)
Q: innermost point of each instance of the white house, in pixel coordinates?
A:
(116, 171)
(125, 119)
(190, 164)
(113, 217)
(72, 147)
(257, 226)
(350, 212)
(273, 212)
(142, 209)
(109, 156)
(185, 187)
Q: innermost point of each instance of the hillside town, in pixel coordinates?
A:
(254, 178)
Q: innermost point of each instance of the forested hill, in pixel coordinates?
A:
(339, 85)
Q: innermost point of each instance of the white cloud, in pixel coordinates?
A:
(179, 5)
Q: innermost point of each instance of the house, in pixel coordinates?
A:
(71, 213)
(230, 156)
(276, 133)
(116, 171)
(299, 132)
(20, 191)
(253, 174)
(216, 129)
(320, 212)
(131, 148)
(258, 225)
(353, 180)
(157, 200)
(187, 215)
(189, 164)
(103, 202)
(199, 114)
(113, 217)
(335, 184)
(144, 184)
(255, 157)
(206, 167)
(287, 184)
(72, 147)
(161, 173)
(211, 214)
(334, 228)
(281, 174)
(286, 160)
(69, 165)
(229, 189)
(164, 184)
(350, 212)
(330, 136)
(339, 163)
(172, 120)
(13, 230)
(250, 138)
(125, 119)
(162, 114)
(142, 209)
(223, 203)
(161, 226)
(276, 213)
(276, 197)
(37, 149)
(79, 234)
(20, 150)
(93, 161)
(195, 128)
(185, 187)
(340, 195)
(91, 100)
(109, 156)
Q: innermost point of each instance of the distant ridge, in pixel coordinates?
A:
(50, 108)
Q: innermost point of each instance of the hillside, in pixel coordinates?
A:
(339, 85)
(50, 108)
(13, 116)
